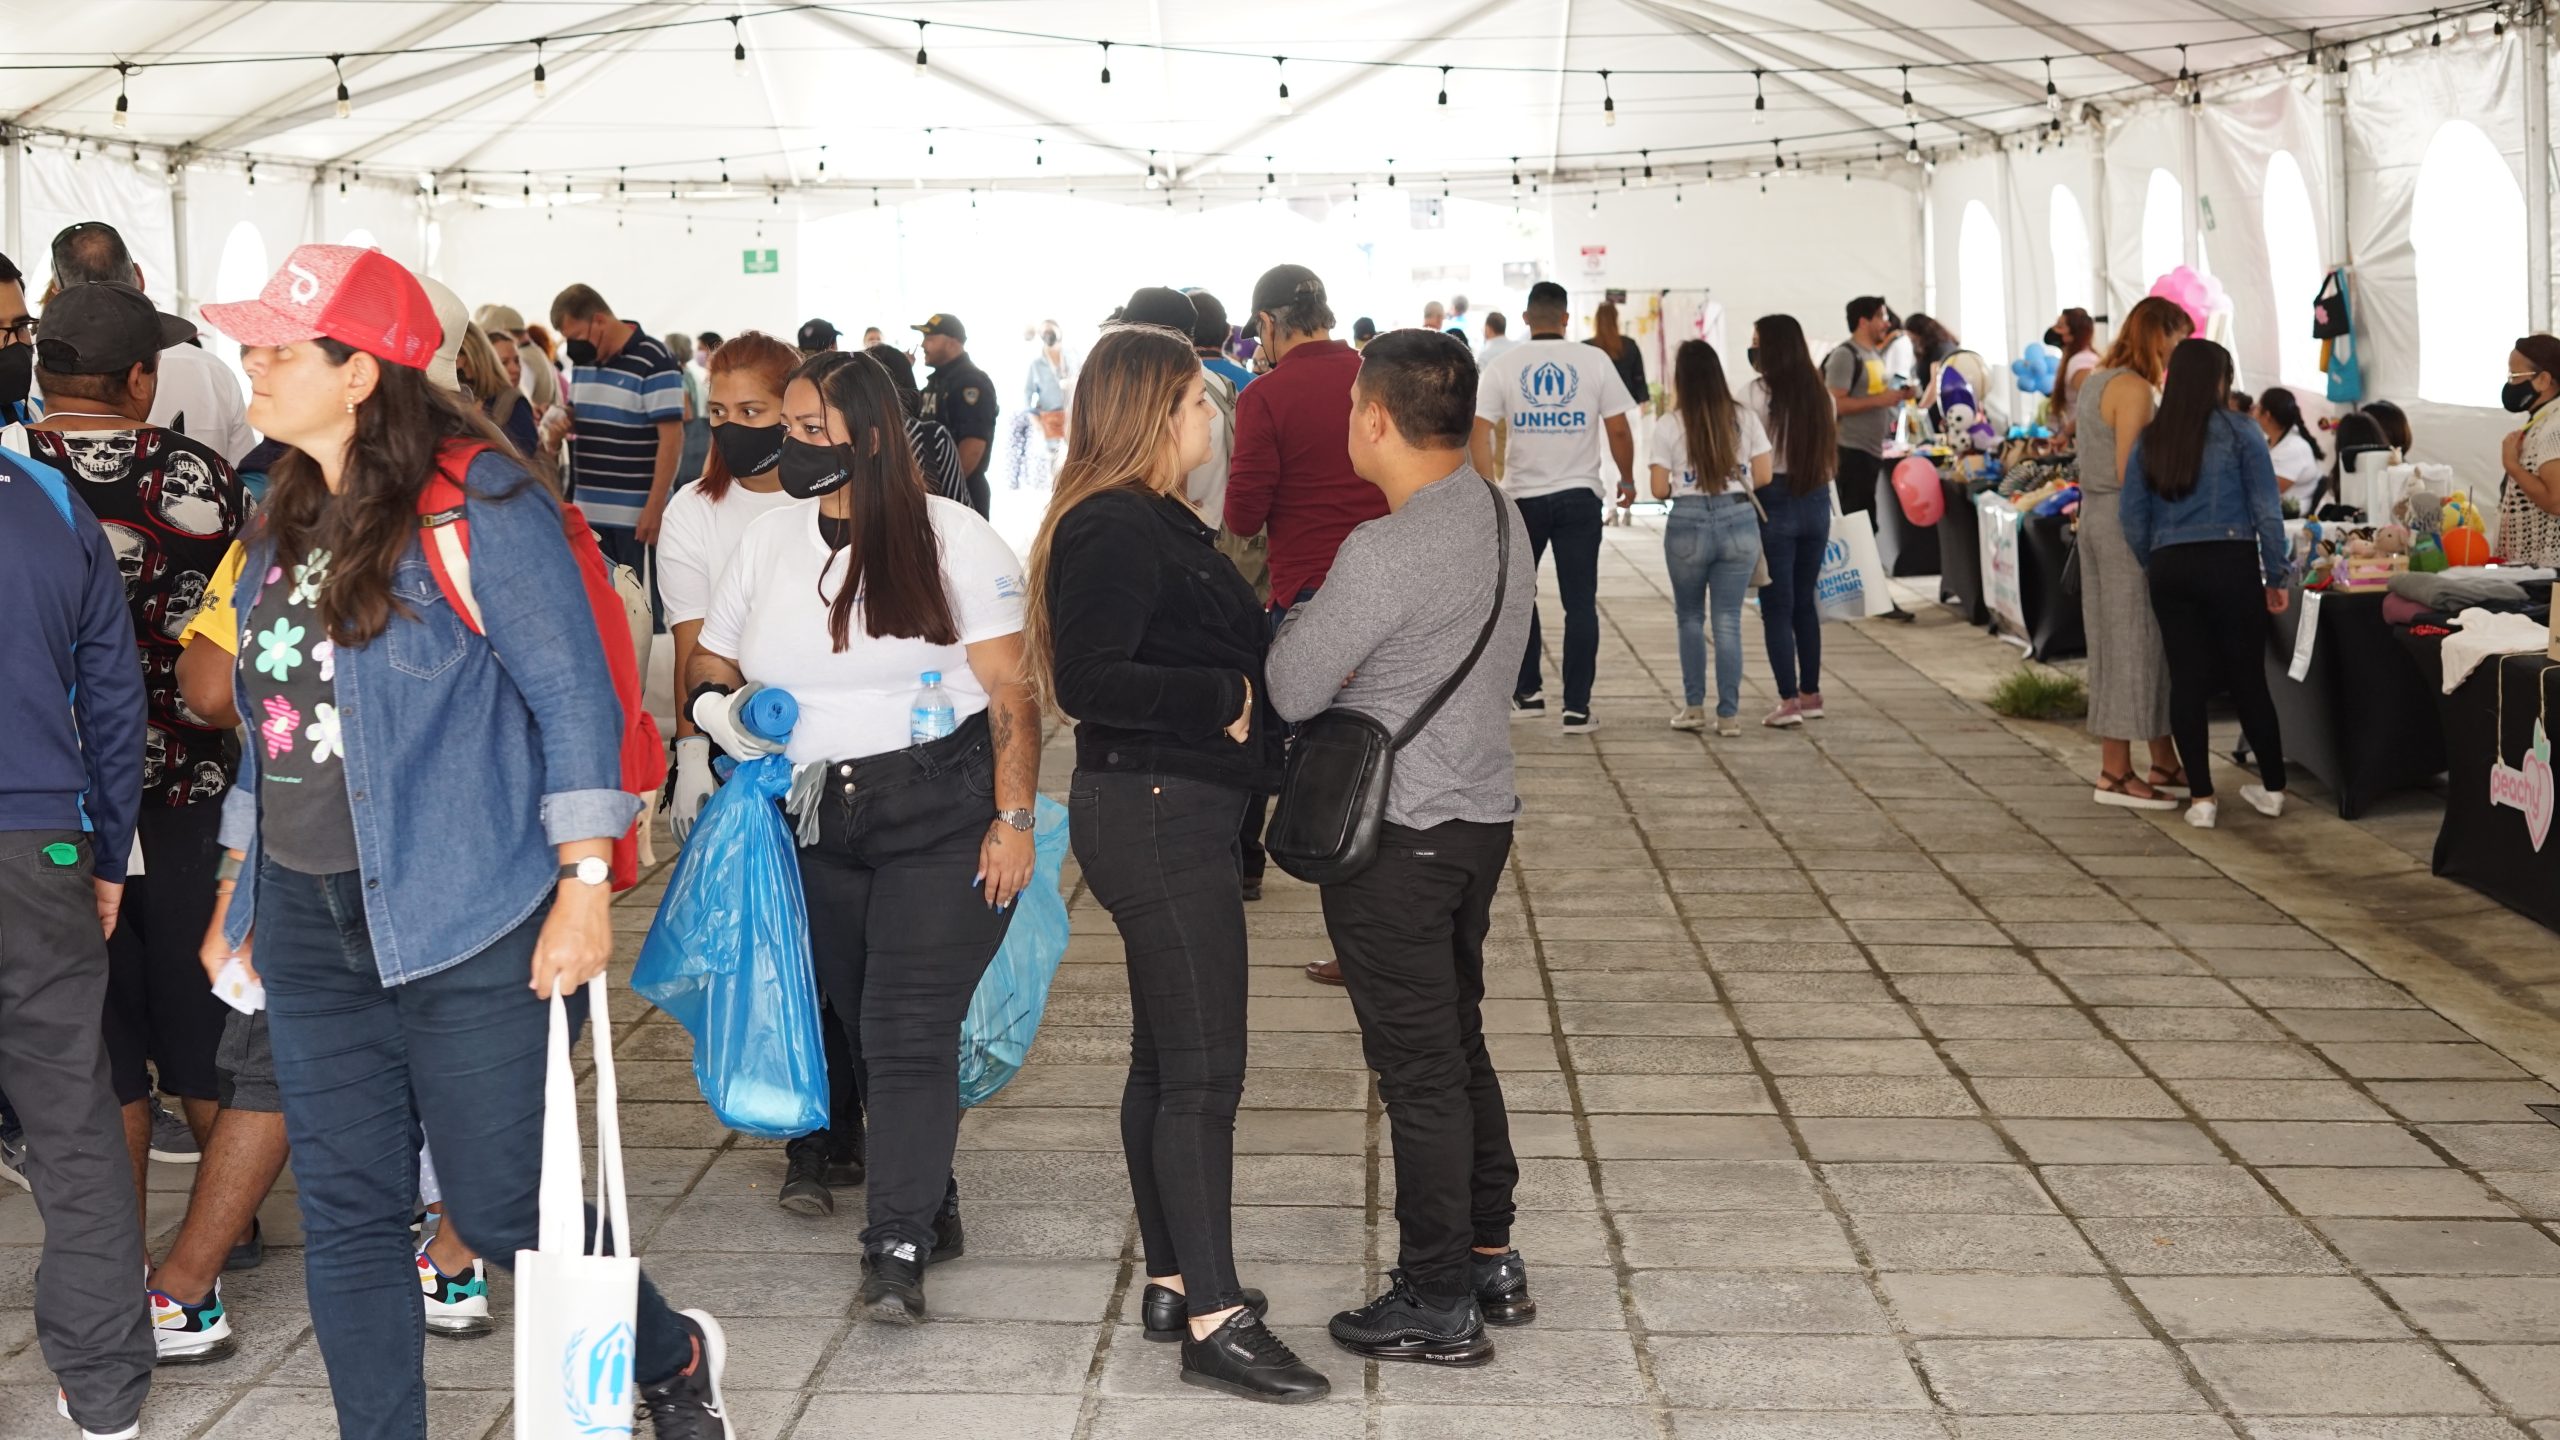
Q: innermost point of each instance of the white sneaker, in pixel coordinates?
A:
(1728, 725)
(2269, 803)
(62, 1406)
(1689, 717)
(457, 1305)
(2202, 813)
(184, 1334)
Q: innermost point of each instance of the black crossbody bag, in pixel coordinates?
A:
(1333, 791)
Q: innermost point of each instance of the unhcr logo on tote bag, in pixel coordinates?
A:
(595, 1381)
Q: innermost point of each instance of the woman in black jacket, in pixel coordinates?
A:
(1141, 630)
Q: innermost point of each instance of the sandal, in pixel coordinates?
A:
(2172, 781)
(2118, 790)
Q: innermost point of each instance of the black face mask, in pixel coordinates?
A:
(1048, 337)
(748, 449)
(1752, 355)
(17, 376)
(2518, 396)
(2053, 337)
(808, 471)
(582, 352)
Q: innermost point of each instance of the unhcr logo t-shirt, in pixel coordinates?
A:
(1557, 396)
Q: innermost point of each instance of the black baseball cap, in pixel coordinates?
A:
(945, 325)
(817, 335)
(1364, 328)
(1209, 318)
(1282, 285)
(1159, 305)
(1548, 295)
(104, 329)
(9, 271)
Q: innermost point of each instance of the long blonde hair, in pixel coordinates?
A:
(1119, 428)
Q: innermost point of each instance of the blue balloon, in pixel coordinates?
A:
(2036, 369)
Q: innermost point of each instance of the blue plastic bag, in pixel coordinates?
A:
(1004, 1016)
(728, 957)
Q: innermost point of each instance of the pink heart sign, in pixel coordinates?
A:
(2526, 788)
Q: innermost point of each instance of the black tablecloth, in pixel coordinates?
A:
(1960, 554)
(2054, 631)
(2363, 718)
(1906, 548)
(2487, 846)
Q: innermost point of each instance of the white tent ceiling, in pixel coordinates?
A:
(445, 87)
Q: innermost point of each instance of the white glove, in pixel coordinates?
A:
(694, 784)
(716, 715)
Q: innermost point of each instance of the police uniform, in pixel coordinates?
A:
(963, 400)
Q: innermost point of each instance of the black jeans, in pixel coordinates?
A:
(160, 1013)
(89, 1319)
(2212, 607)
(1410, 930)
(1857, 477)
(900, 932)
(1159, 853)
(1569, 520)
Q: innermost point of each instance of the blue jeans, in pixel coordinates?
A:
(1710, 545)
(1799, 528)
(1570, 520)
(363, 1067)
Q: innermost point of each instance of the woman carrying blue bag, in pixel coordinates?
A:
(894, 619)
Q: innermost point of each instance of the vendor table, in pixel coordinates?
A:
(2488, 843)
(1960, 554)
(2053, 615)
(2363, 716)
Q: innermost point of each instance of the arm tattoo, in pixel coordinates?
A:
(1013, 726)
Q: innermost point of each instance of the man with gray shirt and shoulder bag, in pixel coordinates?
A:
(1415, 599)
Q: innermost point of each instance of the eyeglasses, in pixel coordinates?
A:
(21, 331)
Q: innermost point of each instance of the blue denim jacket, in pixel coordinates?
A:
(2234, 499)
(468, 759)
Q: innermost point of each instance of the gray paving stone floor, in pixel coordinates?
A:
(1869, 1084)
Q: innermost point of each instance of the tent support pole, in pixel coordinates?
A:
(2536, 40)
(2333, 114)
(178, 238)
(2102, 279)
(13, 178)
(2190, 237)
(1928, 209)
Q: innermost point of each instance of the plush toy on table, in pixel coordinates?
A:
(1962, 422)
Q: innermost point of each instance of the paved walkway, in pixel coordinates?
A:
(1871, 1085)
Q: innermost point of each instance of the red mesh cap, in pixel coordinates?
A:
(361, 298)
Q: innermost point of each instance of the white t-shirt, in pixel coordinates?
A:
(695, 540)
(2298, 471)
(1671, 452)
(200, 398)
(1557, 396)
(769, 613)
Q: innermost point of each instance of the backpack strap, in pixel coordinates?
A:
(444, 531)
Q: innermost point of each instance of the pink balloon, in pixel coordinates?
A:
(1915, 480)
(2198, 295)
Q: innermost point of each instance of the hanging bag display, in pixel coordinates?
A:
(577, 1299)
(1333, 791)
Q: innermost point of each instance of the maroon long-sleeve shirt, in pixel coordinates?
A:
(1291, 468)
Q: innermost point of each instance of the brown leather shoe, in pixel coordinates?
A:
(1325, 972)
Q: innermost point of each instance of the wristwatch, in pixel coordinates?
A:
(1018, 819)
(590, 871)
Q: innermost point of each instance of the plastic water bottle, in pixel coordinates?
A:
(932, 716)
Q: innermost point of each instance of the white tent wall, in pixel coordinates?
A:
(1802, 249)
(59, 191)
(2237, 138)
(649, 268)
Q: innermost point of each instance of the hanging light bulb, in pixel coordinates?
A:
(1515, 172)
(1444, 84)
(2052, 96)
(541, 76)
(1280, 63)
(345, 105)
(1153, 181)
(1039, 154)
(920, 60)
(1269, 175)
(822, 159)
(1910, 107)
(2186, 77)
(1608, 102)
(737, 61)
(1759, 101)
(2436, 37)
(1391, 172)
(622, 178)
(1675, 194)
(1911, 148)
(122, 105)
(1106, 62)
(1647, 157)
(724, 172)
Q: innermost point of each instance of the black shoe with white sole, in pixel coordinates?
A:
(1528, 707)
(1402, 1325)
(1243, 1358)
(1579, 722)
(1502, 1289)
(1168, 1314)
(805, 1190)
(893, 1284)
(687, 1404)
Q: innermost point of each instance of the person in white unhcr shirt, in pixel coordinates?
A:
(915, 820)
(1569, 445)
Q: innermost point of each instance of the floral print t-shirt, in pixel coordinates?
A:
(288, 675)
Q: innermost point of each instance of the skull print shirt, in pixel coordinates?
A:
(289, 686)
(171, 508)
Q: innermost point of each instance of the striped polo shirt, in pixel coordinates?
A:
(614, 448)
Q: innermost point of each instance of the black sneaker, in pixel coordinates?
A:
(1168, 1315)
(1502, 1289)
(1579, 722)
(249, 1254)
(950, 1238)
(804, 1177)
(1243, 1358)
(846, 1167)
(687, 1404)
(1528, 707)
(893, 1284)
(1251, 885)
(1401, 1325)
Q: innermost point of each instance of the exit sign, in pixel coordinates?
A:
(763, 262)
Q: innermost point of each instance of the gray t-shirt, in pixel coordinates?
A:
(1853, 369)
(1398, 613)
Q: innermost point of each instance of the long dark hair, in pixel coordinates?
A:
(399, 429)
(772, 361)
(1706, 413)
(1604, 330)
(1931, 341)
(2173, 444)
(2394, 422)
(1807, 433)
(2079, 332)
(895, 568)
(2286, 411)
